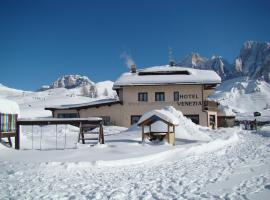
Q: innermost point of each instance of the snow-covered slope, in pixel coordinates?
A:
(32, 104)
(6, 92)
(244, 95)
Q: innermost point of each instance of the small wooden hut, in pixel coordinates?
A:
(148, 119)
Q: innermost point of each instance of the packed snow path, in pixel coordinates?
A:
(239, 171)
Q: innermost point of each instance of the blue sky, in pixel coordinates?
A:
(41, 40)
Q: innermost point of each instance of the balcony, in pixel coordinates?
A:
(210, 106)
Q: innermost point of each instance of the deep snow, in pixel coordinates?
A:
(223, 164)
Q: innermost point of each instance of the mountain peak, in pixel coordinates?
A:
(71, 81)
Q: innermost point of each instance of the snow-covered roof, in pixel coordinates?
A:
(9, 107)
(100, 102)
(166, 74)
(163, 114)
(225, 111)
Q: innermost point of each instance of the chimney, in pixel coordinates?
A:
(133, 68)
(172, 63)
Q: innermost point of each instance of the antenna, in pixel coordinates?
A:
(171, 60)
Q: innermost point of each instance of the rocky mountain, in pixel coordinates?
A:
(71, 81)
(253, 61)
(83, 86)
(216, 63)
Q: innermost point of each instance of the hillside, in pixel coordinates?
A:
(244, 96)
(32, 104)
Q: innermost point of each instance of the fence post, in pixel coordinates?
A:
(17, 137)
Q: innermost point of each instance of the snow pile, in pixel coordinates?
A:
(225, 111)
(9, 107)
(265, 131)
(163, 114)
(186, 129)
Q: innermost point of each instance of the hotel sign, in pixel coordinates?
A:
(189, 100)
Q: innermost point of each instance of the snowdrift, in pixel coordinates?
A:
(186, 129)
(9, 107)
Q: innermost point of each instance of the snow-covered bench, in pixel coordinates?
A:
(8, 126)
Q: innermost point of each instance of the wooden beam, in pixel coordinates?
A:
(143, 136)
(17, 137)
(168, 134)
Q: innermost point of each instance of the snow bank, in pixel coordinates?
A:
(9, 107)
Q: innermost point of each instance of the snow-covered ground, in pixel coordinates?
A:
(236, 166)
(224, 164)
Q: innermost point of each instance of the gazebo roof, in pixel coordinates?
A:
(158, 115)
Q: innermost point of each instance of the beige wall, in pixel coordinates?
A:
(133, 107)
(115, 112)
(121, 114)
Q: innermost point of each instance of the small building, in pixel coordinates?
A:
(152, 88)
(150, 118)
(226, 117)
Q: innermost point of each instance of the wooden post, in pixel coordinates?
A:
(17, 137)
(174, 134)
(81, 132)
(101, 134)
(168, 134)
(143, 134)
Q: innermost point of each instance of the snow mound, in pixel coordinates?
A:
(225, 111)
(9, 107)
(186, 129)
(163, 114)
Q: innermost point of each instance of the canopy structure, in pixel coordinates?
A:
(159, 115)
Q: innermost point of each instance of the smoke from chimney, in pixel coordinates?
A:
(129, 62)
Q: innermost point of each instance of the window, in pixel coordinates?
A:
(106, 120)
(176, 96)
(67, 115)
(194, 118)
(134, 119)
(142, 96)
(159, 96)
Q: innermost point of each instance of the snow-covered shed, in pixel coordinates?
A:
(154, 116)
